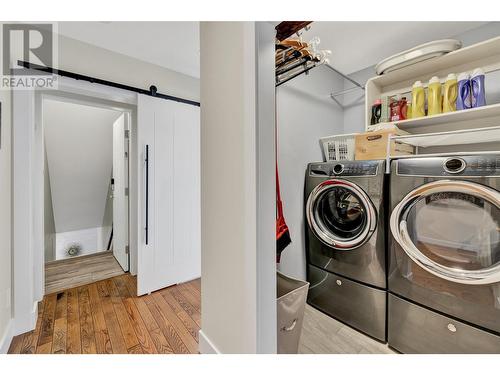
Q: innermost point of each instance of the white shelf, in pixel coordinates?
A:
(452, 138)
(483, 52)
(461, 120)
(485, 55)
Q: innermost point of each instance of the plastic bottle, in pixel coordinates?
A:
(464, 94)
(478, 98)
(408, 109)
(403, 108)
(450, 93)
(376, 112)
(418, 100)
(434, 97)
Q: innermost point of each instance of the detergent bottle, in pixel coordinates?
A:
(450, 93)
(464, 94)
(434, 97)
(418, 100)
(478, 98)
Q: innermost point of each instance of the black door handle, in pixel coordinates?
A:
(147, 194)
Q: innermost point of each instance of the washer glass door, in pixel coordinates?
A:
(340, 214)
(451, 229)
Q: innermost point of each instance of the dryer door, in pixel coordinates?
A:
(340, 214)
(452, 230)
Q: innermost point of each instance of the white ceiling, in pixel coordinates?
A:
(172, 45)
(79, 145)
(358, 45)
(175, 45)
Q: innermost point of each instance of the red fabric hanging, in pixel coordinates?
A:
(283, 238)
(282, 232)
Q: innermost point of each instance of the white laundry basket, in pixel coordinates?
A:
(292, 296)
(338, 147)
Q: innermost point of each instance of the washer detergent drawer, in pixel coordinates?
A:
(414, 329)
(355, 304)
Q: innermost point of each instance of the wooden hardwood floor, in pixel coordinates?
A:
(107, 317)
(73, 272)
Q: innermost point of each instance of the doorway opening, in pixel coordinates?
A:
(86, 192)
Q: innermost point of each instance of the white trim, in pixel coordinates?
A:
(26, 322)
(265, 201)
(205, 345)
(7, 337)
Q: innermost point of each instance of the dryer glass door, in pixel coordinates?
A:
(451, 229)
(341, 214)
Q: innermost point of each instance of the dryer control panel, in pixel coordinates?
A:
(346, 168)
(450, 166)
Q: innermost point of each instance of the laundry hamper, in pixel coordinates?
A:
(338, 147)
(292, 295)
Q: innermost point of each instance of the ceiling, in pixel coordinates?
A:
(172, 45)
(175, 45)
(79, 146)
(358, 45)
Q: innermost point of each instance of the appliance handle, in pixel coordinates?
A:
(146, 171)
(399, 230)
(291, 327)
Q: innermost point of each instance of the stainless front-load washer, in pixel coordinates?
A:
(444, 248)
(345, 242)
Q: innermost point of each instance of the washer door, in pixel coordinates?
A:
(452, 230)
(340, 214)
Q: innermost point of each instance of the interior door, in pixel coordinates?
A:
(169, 198)
(120, 196)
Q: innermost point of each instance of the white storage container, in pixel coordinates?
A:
(291, 303)
(338, 147)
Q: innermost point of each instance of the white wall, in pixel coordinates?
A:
(305, 113)
(354, 102)
(234, 310)
(83, 58)
(91, 240)
(79, 146)
(5, 222)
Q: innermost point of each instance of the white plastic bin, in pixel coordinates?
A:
(292, 296)
(338, 147)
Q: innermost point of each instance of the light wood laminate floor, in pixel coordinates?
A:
(324, 335)
(107, 317)
(73, 272)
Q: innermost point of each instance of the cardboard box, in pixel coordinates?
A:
(373, 145)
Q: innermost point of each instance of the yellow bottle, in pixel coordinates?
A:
(434, 97)
(408, 109)
(450, 93)
(418, 100)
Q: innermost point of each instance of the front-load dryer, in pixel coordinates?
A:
(345, 242)
(444, 246)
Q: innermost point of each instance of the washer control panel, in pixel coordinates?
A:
(346, 168)
(464, 166)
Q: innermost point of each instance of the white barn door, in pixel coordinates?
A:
(169, 197)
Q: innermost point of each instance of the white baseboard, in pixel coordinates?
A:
(26, 322)
(7, 337)
(206, 346)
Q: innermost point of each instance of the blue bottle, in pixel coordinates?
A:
(478, 97)
(464, 92)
